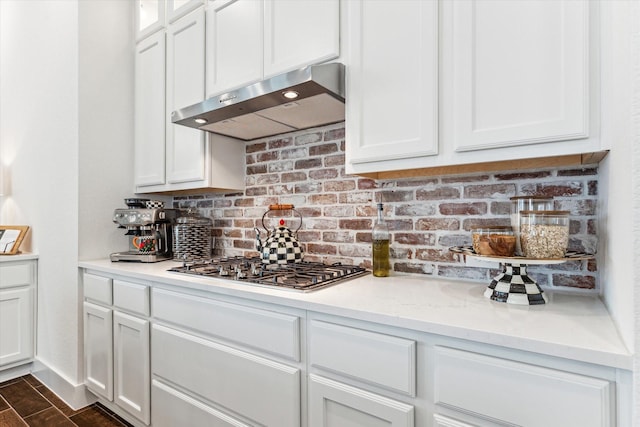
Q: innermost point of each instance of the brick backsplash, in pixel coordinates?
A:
(426, 215)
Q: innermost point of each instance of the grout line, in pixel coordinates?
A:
(112, 417)
(10, 409)
(46, 409)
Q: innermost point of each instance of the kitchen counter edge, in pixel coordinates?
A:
(18, 257)
(570, 326)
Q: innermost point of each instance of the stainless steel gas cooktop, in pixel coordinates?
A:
(303, 276)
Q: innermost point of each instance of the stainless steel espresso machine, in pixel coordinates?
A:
(150, 233)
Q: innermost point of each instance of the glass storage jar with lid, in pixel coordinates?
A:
(493, 240)
(192, 238)
(544, 234)
(526, 203)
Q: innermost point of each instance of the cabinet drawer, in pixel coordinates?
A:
(444, 421)
(259, 389)
(16, 274)
(131, 296)
(380, 359)
(172, 408)
(519, 393)
(273, 332)
(333, 404)
(98, 288)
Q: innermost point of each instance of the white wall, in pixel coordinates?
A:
(619, 191)
(66, 106)
(634, 18)
(106, 123)
(39, 117)
(616, 249)
(105, 106)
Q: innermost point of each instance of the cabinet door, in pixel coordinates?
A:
(256, 388)
(333, 404)
(234, 44)
(98, 349)
(178, 8)
(149, 17)
(132, 369)
(392, 99)
(299, 33)
(186, 151)
(514, 81)
(16, 325)
(149, 124)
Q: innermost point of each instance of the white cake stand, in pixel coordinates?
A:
(514, 285)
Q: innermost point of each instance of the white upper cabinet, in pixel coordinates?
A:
(154, 15)
(251, 40)
(234, 44)
(170, 74)
(178, 8)
(149, 128)
(299, 33)
(473, 84)
(150, 17)
(519, 72)
(392, 83)
(185, 86)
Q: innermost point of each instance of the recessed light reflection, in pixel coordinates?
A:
(290, 94)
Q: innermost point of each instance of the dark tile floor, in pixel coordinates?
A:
(25, 401)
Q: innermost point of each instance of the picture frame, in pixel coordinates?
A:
(11, 237)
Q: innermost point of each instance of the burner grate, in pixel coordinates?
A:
(304, 276)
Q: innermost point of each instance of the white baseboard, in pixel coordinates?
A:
(15, 372)
(75, 395)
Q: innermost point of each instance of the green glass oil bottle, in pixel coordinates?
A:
(380, 243)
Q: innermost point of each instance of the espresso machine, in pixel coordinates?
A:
(150, 233)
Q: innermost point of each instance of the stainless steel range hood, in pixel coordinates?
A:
(262, 109)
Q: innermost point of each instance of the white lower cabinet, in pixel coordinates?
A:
(363, 374)
(98, 349)
(256, 388)
(379, 366)
(166, 356)
(16, 325)
(131, 374)
(224, 363)
(116, 344)
(17, 300)
(172, 408)
(444, 421)
(517, 393)
(333, 404)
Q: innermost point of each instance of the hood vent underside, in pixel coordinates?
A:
(262, 110)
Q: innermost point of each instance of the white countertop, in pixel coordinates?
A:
(569, 326)
(18, 257)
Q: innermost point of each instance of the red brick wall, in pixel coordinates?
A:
(426, 215)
